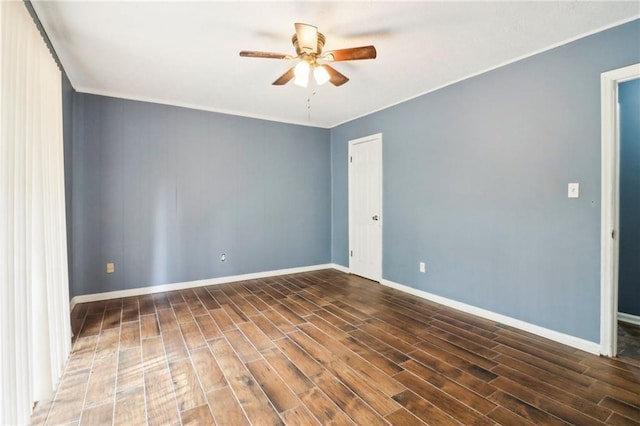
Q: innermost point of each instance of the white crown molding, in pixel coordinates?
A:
(495, 67)
(92, 91)
(187, 105)
(628, 318)
(140, 291)
(556, 336)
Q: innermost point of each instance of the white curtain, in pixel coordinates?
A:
(35, 335)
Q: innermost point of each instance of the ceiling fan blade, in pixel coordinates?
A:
(335, 77)
(351, 54)
(268, 55)
(285, 78)
(307, 37)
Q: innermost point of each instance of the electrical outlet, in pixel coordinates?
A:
(111, 268)
(223, 257)
(423, 267)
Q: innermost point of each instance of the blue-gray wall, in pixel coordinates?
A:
(475, 185)
(629, 277)
(162, 191)
(67, 130)
(475, 182)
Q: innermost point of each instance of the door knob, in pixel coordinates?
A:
(375, 217)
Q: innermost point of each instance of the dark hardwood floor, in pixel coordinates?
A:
(629, 342)
(323, 348)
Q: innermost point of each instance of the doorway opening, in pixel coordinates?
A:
(610, 213)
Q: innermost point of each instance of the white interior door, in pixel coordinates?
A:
(365, 207)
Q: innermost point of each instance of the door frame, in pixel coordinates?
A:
(377, 136)
(610, 208)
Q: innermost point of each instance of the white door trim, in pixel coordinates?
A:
(610, 180)
(377, 136)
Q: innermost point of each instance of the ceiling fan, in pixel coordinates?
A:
(308, 43)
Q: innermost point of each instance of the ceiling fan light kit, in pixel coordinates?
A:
(305, 68)
(321, 75)
(301, 71)
(308, 43)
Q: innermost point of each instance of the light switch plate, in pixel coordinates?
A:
(573, 190)
(111, 268)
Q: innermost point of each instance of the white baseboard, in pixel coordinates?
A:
(556, 336)
(85, 298)
(340, 268)
(631, 319)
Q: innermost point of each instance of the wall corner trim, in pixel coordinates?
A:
(565, 339)
(95, 297)
(628, 318)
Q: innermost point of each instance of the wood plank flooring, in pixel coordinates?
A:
(629, 342)
(323, 347)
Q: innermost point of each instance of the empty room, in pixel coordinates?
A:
(310, 213)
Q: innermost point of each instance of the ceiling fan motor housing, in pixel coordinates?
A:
(300, 52)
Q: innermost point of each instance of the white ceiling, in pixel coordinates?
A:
(186, 53)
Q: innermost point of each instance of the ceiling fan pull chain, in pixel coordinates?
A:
(309, 105)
